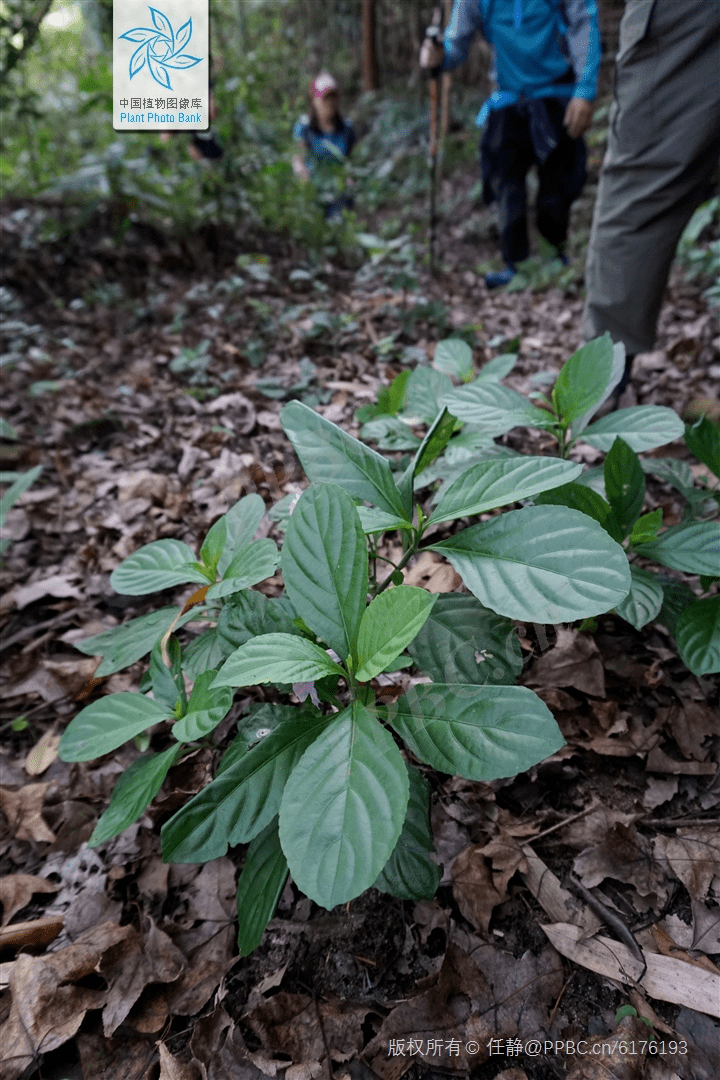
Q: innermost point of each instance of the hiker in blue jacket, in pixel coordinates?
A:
(324, 140)
(546, 55)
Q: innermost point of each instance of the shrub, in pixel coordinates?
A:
(320, 789)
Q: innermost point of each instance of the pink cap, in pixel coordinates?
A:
(323, 84)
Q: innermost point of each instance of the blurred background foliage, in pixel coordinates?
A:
(58, 142)
(59, 148)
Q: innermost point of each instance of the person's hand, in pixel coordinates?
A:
(432, 54)
(300, 168)
(578, 116)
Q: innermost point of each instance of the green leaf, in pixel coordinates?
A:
(595, 479)
(583, 379)
(703, 440)
(156, 566)
(259, 887)
(697, 634)
(206, 708)
(213, 546)
(390, 623)
(642, 428)
(547, 564)
(107, 724)
(670, 471)
(646, 527)
(391, 398)
(166, 681)
(257, 724)
(464, 642)
(125, 644)
(254, 563)
(676, 598)
(390, 433)
(497, 368)
(495, 483)
(329, 455)
(343, 808)
(377, 521)
(275, 658)
(642, 604)
(493, 408)
(585, 499)
(624, 484)
(478, 732)
(16, 489)
(243, 798)
(693, 548)
(618, 370)
(325, 565)
(134, 791)
(435, 441)
(410, 873)
(242, 522)
(454, 357)
(425, 389)
(206, 651)
(431, 447)
(250, 614)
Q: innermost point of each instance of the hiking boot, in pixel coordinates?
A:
(501, 277)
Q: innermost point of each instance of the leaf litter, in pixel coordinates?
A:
(150, 422)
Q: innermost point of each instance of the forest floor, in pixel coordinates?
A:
(147, 378)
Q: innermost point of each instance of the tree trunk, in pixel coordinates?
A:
(23, 21)
(369, 54)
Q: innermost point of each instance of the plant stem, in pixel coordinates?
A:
(400, 566)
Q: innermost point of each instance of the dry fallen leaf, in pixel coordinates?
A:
(624, 855)
(432, 573)
(16, 891)
(668, 947)
(573, 661)
(451, 1007)
(33, 934)
(42, 755)
(171, 1068)
(60, 585)
(300, 1027)
(113, 1059)
(616, 1056)
(693, 725)
(665, 979)
(44, 1013)
(693, 856)
(207, 941)
(22, 809)
(480, 876)
(128, 967)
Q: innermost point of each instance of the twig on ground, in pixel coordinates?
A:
(613, 922)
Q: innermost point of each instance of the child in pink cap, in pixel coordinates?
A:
(327, 138)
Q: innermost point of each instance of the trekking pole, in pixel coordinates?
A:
(433, 34)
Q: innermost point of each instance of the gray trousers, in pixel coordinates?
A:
(662, 158)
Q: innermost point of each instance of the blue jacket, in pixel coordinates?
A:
(541, 48)
(331, 147)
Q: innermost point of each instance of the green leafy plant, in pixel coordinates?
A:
(691, 547)
(613, 496)
(321, 789)
(19, 484)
